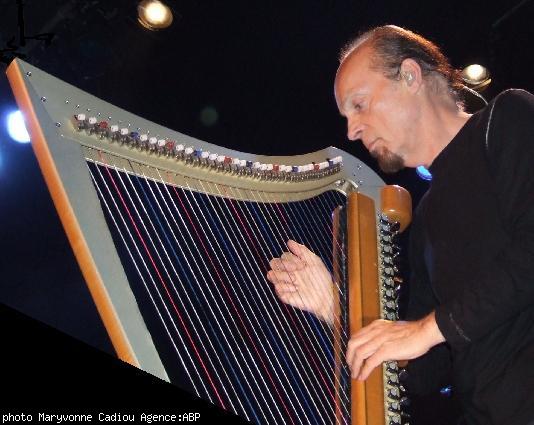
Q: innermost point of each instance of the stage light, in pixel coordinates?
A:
(423, 173)
(154, 15)
(476, 76)
(16, 127)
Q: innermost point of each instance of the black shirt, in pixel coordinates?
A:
(472, 262)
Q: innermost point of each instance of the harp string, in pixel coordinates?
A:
(273, 229)
(213, 297)
(160, 277)
(162, 246)
(341, 324)
(280, 247)
(251, 332)
(266, 205)
(239, 210)
(208, 356)
(329, 231)
(236, 213)
(322, 235)
(210, 233)
(312, 242)
(303, 234)
(103, 198)
(243, 324)
(262, 351)
(344, 396)
(253, 233)
(301, 319)
(194, 310)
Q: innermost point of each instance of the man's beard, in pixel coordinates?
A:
(388, 161)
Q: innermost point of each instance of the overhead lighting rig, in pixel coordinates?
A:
(154, 15)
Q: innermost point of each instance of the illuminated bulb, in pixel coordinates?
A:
(475, 72)
(154, 14)
(476, 76)
(16, 127)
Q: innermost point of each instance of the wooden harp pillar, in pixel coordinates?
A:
(364, 268)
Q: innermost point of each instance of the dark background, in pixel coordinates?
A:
(265, 68)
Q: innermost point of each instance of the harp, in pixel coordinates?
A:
(173, 236)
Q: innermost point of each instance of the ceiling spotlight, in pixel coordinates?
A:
(154, 14)
(476, 76)
(16, 127)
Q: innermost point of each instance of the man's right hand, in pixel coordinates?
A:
(302, 280)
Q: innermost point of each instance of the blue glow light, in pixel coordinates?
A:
(16, 127)
(423, 173)
(446, 391)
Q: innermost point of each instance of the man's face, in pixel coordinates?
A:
(379, 111)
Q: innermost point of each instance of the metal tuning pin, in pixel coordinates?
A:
(179, 151)
(394, 407)
(124, 134)
(102, 129)
(133, 138)
(152, 143)
(80, 121)
(169, 147)
(114, 132)
(212, 159)
(188, 154)
(394, 393)
(394, 419)
(403, 374)
(204, 157)
(160, 146)
(142, 142)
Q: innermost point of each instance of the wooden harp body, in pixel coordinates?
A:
(365, 261)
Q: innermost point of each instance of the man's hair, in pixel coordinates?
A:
(392, 44)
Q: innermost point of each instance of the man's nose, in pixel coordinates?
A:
(354, 129)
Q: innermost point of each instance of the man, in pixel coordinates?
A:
(472, 241)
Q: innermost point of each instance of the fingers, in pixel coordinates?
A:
(281, 277)
(285, 264)
(358, 351)
(302, 252)
(385, 340)
(290, 257)
(370, 364)
(285, 288)
(299, 257)
(367, 348)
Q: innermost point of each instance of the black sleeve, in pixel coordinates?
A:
(506, 286)
(431, 371)
(421, 300)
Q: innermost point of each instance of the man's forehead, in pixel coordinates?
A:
(352, 75)
(359, 57)
(355, 65)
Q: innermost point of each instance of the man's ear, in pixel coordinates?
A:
(411, 73)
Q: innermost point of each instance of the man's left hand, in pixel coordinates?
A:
(384, 340)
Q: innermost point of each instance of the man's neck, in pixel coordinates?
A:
(442, 125)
